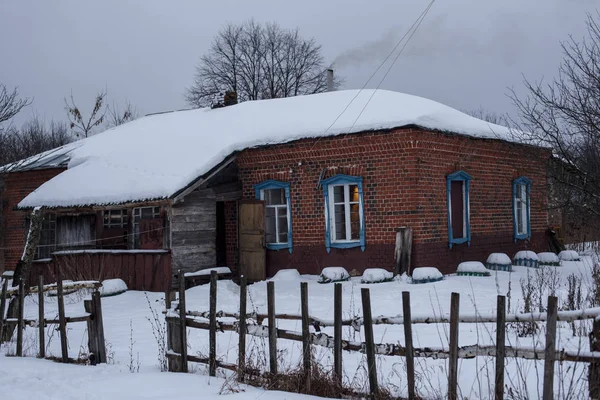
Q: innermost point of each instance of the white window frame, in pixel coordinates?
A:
(277, 207)
(521, 217)
(346, 203)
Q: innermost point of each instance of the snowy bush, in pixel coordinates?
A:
(548, 258)
(333, 274)
(426, 274)
(112, 287)
(376, 275)
(286, 275)
(568, 255)
(498, 262)
(526, 258)
(472, 268)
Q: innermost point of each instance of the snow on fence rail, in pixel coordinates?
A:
(92, 315)
(179, 319)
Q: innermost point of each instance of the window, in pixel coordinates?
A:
(344, 217)
(521, 203)
(47, 243)
(457, 187)
(115, 219)
(139, 214)
(278, 224)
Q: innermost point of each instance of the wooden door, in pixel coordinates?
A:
(251, 228)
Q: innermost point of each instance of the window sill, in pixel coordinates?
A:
(459, 241)
(522, 237)
(347, 245)
(279, 246)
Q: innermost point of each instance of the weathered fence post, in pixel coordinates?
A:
(594, 371)
(337, 334)
(2, 307)
(272, 327)
(41, 321)
(20, 325)
(402, 252)
(305, 333)
(453, 347)
(500, 349)
(92, 335)
(99, 327)
(174, 344)
(369, 341)
(410, 361)
(550, 350)
(212, 332)
(242, 330)
(62, 323)
(182, 323)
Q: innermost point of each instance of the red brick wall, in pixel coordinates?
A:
(231, 233)
(17, 186)
(404, 183)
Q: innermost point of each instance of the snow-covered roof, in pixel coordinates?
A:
(156, 156)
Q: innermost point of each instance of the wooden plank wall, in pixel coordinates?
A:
(150, 271)
(193, 231)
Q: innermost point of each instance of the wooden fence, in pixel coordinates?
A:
(92, 315)
(179, 319)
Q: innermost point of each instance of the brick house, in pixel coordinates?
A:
(286, 183)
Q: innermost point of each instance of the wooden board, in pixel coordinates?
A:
(252, 256)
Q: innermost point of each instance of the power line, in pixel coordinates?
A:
(416, 23)
(416, 26)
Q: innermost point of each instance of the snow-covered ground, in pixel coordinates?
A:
(131, 343)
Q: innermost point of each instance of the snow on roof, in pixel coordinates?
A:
(156, 156)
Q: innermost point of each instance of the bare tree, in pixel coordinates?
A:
(488, 116)
(33, 138)
(81, 126)
(10, 103)
(118, 115)
(564, 115)
(258, 62)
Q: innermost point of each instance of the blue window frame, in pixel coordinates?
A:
(344, 216)
(278, 213)
(457, 189)
(521, 190)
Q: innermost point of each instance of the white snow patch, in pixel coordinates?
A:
(548, 257)
(526, 255)
(8, 274)
(112, 287)
(426, 273)
(472, 266)
(173, 149)
(286, 275)
(207, 271)
(499, 258)
(333, 274)
(568, 255)
(376, 275)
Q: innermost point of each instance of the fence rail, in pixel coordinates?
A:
(179, 319)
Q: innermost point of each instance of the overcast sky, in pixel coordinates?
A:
(466, 53)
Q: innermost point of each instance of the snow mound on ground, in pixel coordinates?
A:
(112, 287)
(526, 255)
(568, 255)
(286, 275)
(376, 275)
(426, 274)
(207, 271)
(472, 268)
(498, 258)
(333, 274)
(548, 258)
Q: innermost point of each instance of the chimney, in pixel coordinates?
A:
(330, 80)
(230, 98)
